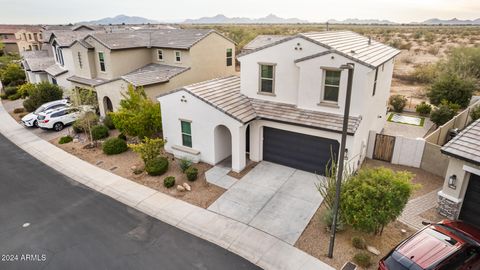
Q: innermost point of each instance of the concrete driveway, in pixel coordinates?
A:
(273, 198)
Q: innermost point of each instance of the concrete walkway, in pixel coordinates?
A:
(273, 198)
(255, 245)
(411, 214)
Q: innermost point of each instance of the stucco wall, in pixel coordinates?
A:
(204, 118)
(433, 160)
(114, 91)
(88, 69)
(125, 61)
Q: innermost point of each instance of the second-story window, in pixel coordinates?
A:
(59, 55)
(101, 60)
(375, 82)
(331, 85)
(178, 56)
(160, 55)
(267, 78)
(229, 57)
(80, 64)
(29, 36)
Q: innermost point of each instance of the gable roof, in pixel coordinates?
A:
(86, 81)
(466, 145)
(55, 70)
(224, 95)
(161, 38)
(37, 61)
(152, 74)
(262, 40)
(349, 44)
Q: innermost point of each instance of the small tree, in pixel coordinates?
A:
(86, 123)
(84, 96)
(475, 113)
(148, 149)
(12, 75)
(42, 93)
(138, 115)
(375, 197)
(398, 102)
(443, 113)
(25, 89)
(452, 88)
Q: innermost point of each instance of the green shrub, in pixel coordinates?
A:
(425, 73)
(25, 89)
(358, 242)
(191, 173)
(3, 96)
(99, 132)
(42, 93)
(442, 114)
(328, 219)
(156, 166)
(77, 127)
(148, 149)
(12, 74)
(107, 121)
(122, 136)
(185, 164)
(363, 259)
(65, 139)
(375, 197)
(114, 146)
(475, 113)
(10, 90)
(14, 96)
(18, 110)
(398, 102)
(169, 181)
(452, 88)
(423, 109)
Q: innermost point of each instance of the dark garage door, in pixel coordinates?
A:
(471, 203)
(300, 151)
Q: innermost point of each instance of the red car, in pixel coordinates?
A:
(448, 245)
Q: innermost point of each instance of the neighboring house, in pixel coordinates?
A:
(20, 38)
(158, 60)
(460, 195)
(287, 105)
(35, 64)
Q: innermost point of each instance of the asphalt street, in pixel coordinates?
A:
(48, 221)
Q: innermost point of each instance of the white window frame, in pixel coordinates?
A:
(179, 55)
(100, 63)
(260, 78)
(324, 77)
(160, 52)
(186, 134)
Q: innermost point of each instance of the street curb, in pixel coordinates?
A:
(252, 244)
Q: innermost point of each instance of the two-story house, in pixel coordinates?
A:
(20, 38)
(158, 60)
(287, 105)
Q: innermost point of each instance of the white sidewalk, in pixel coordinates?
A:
(257, 246)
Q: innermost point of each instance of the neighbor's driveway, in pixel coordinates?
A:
(273, 198)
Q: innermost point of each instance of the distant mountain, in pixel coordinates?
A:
(360, 21)
(120, 19)
(453, 21)
(222, 19)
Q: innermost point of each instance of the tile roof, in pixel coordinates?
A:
(86, 81)
(347, 43)
(262, 40)
(65, 38)
(161, 38)
(466, 145)
(55, 70)
(37, 60)
(152, 74)
(224, 94)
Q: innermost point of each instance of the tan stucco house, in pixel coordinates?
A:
(460, 195)
(20, 38)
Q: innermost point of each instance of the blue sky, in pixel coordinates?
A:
(66, 11)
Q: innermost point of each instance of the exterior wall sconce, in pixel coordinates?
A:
(452, 181)
(346, 154)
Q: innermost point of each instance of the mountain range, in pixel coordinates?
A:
(270, 19)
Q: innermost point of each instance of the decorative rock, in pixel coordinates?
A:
(373, 250)
(133, 168)
(187, 186)
(403, 231)
(180, 188)
(76, 140)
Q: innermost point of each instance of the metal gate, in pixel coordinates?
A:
(384, 145)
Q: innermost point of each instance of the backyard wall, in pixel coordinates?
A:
(433, 160)
(408, 151)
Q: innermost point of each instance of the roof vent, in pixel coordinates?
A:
(369, 40)
(352, 51)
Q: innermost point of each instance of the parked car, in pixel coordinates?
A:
(447, 245)
(58, 118)
(30, 120)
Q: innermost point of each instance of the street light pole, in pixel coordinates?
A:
(338, 184)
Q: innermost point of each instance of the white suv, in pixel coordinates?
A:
(57, 119)
(30, 120)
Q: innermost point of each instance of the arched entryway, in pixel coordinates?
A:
(107, 105)
(223, 144)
